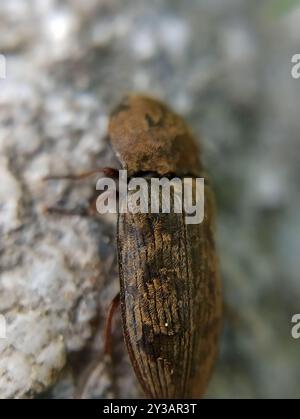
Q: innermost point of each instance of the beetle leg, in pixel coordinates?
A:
(106, 171)
(89, 210)
(108, 325)
(101, 364)
(81, 212)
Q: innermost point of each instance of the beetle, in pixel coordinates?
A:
(170, 291)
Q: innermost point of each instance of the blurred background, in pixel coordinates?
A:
(225, 65)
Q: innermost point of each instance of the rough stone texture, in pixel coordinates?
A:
(225, 65)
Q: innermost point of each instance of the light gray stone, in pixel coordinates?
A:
(225, 65)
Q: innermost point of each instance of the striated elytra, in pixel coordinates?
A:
(170, 287)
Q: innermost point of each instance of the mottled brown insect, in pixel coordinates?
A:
(170, 288)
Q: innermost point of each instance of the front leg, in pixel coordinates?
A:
(106, 171)
(89, 210)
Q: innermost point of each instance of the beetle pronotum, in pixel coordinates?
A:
(170, 291)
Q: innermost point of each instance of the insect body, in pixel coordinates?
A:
(170, 289)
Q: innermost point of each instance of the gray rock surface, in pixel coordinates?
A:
(225, 65)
